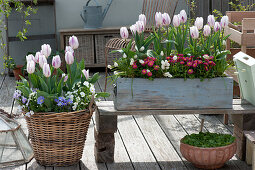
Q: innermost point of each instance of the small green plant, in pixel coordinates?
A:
(208, 140)
(9, 63)
(239, 5)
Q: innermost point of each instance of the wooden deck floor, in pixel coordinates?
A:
(142, 142)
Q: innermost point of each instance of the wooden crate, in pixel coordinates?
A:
(163, 93)
(100, 42)
(241, 34)
(85, 50)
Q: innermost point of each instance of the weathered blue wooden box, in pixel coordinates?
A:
(164, 93)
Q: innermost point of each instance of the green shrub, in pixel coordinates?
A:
(208, 140)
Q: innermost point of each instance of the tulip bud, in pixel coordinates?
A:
(42, 60)
(56, 62)
(140, 26)
(46, 50)
(217, 26)
(207, 30)
(210, 20)
(69, 57)
(166, 19)
(73, 42)
(69, 48)
(194, 32)
(86, 73)
(133, 28)
(158, 19)
(176, 21)
(142, 18)
(183, 16)
(46, 70)
(30, 57)
(31, 66)
(124, 32)
(66, 77)
(199, 23)
(37, 56)
(142, 49)
(224, 21)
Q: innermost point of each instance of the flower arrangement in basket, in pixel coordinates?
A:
(57, 106)
(183, 50)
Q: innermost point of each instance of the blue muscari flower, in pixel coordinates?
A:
(40, 100)
(24, 100)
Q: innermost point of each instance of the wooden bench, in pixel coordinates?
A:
(250, 148)
(106, 122)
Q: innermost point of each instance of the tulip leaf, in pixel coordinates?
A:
(43, 85)
(102, 94)
(94, 79)
(82, 65)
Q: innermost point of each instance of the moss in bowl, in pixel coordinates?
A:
(208, 150)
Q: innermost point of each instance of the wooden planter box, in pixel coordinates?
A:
(164, 93)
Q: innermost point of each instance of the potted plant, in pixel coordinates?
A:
(57, 107)
(187, 65)
(208, 150)
(17, 69)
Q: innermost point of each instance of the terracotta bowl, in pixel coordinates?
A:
(208, 158)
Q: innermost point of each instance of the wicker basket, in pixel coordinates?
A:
(58, 138)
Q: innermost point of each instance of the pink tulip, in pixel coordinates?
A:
(210, 20)
(42, 60)
(66, 77)
(124, 32)
(158, 19)
(31, 66)
(199, 23)
(207, 30)
(86, 73)
(37, 56)
(142, 17)
(30, 57)
(217, 26)
(166, 19)
(73, 42)
(183, 16)
(46, 50)
(176, 21)
(133, 28)
(69, 48)
(140, 26)
(69, 58)
(46, 70)
(194, 32)
(56, 62)
(224, 21)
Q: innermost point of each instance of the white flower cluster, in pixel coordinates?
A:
(81, 95)
(132, 61)
(164, 64)
(28, 114)
(167, 74)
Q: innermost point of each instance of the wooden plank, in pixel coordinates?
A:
(234, 35)
(137, 93)
(33, 165)
(88, 159)
(137, 148)
(237, 16)
(73, 167)
(216, 4)
(174, 132)
(2, 77)
(6, 94)
(121, 158)
(206, 10)
(161, 147)
(224, 6)
(22, 167)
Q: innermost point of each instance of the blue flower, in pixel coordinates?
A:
(69, 101)
(40, 100)
(61, 99)
(24, 100)
(60, 104)
(17, 94)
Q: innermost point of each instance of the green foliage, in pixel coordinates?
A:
(208, 140)
(239, 5)
(9, 63)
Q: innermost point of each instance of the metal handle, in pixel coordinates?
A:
(89, 2)
(83, 18)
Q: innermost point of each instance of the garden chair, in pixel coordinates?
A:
(150, 7)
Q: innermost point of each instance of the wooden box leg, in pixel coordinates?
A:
(249, 151)
(253, 159)
(104, 147)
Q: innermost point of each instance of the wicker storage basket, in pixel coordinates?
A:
(58, 138)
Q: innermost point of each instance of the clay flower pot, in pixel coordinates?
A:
(208, 158)
(18, 71)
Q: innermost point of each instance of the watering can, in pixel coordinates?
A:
(93, 16)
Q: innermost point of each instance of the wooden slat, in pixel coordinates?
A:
(33, 165)
(1, 80)
(73, 167)
(216, 4)
(248, 39)
(224, 6)
(88, 159)
(237, 16)
(161, 147)
(234, 35)
(138, 150)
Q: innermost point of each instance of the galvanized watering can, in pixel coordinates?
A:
(93, 16)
